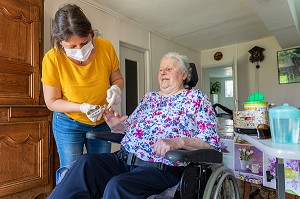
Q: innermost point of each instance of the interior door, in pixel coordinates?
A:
(132, 63)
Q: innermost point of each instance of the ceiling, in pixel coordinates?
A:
(207, 24)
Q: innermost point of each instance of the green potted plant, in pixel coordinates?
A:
(215, 87)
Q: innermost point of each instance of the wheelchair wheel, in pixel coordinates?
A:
(221, 185)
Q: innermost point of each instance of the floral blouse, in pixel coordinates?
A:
(187, 114)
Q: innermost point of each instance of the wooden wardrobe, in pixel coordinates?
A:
(25, 139)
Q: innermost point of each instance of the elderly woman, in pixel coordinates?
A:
(171, 118)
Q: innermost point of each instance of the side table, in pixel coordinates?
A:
(280, 152)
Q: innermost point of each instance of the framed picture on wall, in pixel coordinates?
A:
(288, 62)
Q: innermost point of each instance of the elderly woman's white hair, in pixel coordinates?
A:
(183, 64)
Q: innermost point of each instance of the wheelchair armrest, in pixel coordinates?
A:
(108, 136)
(196, 156)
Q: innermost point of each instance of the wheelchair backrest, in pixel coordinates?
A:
(194, 76)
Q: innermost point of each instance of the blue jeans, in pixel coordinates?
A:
(70, 137)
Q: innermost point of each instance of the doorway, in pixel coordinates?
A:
(219, 86)
(132, 62)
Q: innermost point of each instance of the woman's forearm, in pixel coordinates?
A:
(61, 105)
(194, 144)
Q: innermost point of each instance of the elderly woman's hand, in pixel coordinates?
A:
(161, 146)
(113, 119)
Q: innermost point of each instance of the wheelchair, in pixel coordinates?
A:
(204, 177)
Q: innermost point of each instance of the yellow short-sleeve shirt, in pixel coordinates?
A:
(81, 84)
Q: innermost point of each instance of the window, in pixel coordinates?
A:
(228, 88)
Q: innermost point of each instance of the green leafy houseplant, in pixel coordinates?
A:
(215, 87)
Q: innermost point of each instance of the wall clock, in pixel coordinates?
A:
(256, 54)
(218, 56)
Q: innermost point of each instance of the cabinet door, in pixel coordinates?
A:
(19, 51)
(24, 150)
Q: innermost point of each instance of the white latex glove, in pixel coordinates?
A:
(93, 112)
(113, 96)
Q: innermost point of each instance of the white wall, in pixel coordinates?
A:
(267, 75)
(250, 79)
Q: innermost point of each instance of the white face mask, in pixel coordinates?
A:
(80, 54)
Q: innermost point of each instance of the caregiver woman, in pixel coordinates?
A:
(79, 72)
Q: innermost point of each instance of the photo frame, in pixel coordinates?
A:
(288, 62)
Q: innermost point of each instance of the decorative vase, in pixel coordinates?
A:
(244, 164)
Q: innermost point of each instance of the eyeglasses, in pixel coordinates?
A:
(263, 131)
